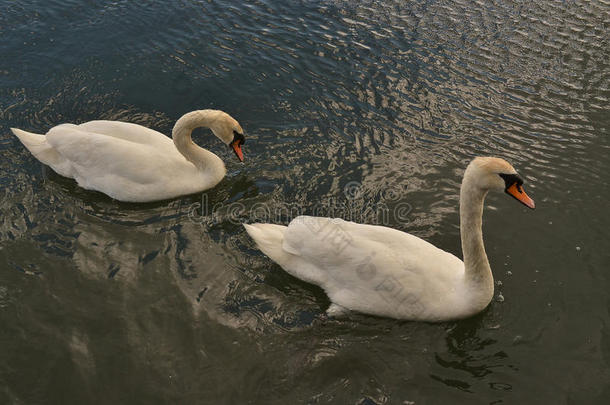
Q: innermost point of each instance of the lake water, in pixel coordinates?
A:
(348, 107)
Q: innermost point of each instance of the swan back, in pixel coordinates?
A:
(123, 130)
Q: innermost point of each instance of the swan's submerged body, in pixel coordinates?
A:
(133, 163)
(382, 271)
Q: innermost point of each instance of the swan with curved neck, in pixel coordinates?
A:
(133, 163)
(385, 272)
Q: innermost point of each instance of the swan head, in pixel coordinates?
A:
(228, 130)
(490, 173)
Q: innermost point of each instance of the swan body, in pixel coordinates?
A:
(132, 163)
(386, 272)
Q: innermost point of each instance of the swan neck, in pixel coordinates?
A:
(477, 269)
(181, 135)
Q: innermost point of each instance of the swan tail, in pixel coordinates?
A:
(33, 142)
(269, 239)
(38, 146)
(44, 151)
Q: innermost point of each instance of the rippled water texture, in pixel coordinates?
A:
(104, 302)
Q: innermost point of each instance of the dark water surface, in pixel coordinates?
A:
(105, 302)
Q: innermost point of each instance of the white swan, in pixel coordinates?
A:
(385, 272)
(133, 163)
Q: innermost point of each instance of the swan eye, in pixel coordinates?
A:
(510, 179)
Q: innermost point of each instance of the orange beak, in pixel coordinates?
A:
(237, 149)
(518, 193)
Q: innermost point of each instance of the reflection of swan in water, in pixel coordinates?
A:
(178, 257)
(470, 357)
